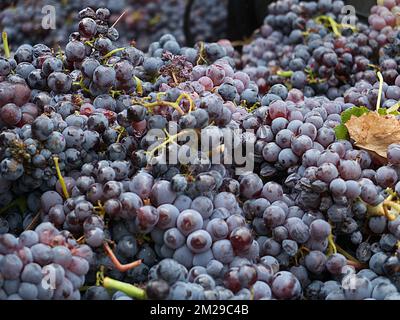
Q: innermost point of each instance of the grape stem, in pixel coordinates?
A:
(139, 86)
(81, 85)
(112, 52)
(5, 44)
(378, 102)
(155, 20)
(99, 209)
(332, 245)
(285, 74)
(169, 139)
(121, 131)
(392, 205)
(119, 18)
(384, 208)
(201, 54)
(114, 93)
(100, 276)
(175, 105)
(253, 107)
(336, 27)
(129, 289)
(34, 221)
(301, 252)
(350, 259)
(61, 178)
(164, 104)
(81, 240)
(120, 267)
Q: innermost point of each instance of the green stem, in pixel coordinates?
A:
(375, 210)
(111, 53)
(61, 178)
(5, 44)
(378, 102)
(126, 288)
(285, 74)
(332, 245)
(392, 205)
(139, 86)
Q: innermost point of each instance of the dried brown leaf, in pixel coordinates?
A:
(374, 132)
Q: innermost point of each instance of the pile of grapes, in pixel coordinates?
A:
(203, 172)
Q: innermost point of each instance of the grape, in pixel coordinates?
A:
(147, 218)
(386, 177)
(79, 266)
(161, 193)
(250, 186)
(180, 291)
(280, 233)
(11, 169)
(274, 216)
(327, 172)
(261, 291)
(203, 205)
(202, 259)
(147, 255)
(349, 169)
(301, 144)
(206, 281)
(97, 293)
(11, 114)
(319, 229)
(285, 286)
(27, 291)
(168, 215)
(271, 152)
(223, 251)
(189, 221)
(241, 239)
(369, 193)
(184, 256)
(271, 247)
(218, 229)
(272, 191)
(298, 231)
(173, 238)
(157, 289)
(315, 262)
(290, 247)
(32, 273)
(28, 238)
(393, 154)
(10, 266)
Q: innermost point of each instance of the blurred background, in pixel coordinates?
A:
(144, 21)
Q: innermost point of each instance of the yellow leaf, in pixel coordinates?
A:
(374, 132)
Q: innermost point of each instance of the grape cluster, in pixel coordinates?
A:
(88, 134)
(44, 264)
(308, 55)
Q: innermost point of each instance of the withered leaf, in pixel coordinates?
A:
(374, 132)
